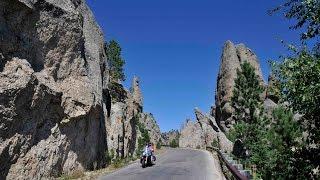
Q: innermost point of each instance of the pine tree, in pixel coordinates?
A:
(247, 104)
(250, 125)
(116, 62)
(246, 99)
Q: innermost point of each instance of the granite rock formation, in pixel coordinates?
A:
(151, 125)
(208, 127)
(59, 110)
(136, 92)
(273, 89)
(168, 137)
(122, 126)
(232, 57)
(204, 133)
(52, 96)
(191, 135)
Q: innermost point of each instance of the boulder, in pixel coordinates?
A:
(239, 149)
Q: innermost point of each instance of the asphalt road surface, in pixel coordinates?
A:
(174, 164)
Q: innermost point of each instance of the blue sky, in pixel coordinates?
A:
(174, 46)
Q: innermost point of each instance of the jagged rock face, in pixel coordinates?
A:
(207, 125)
(168, 137)
(213, 111)
(51, 89)
(269, 106)
(212, 132)
(273, 89)
(121, 131)
(232, 57)
(204, 133)
(120, 127)
(126, 112)
(151, 125)
(246, 54)
(115, 130)
(191, 136)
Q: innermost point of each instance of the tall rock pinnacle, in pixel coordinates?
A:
(136, 91)
(246, 54)
(232, 57)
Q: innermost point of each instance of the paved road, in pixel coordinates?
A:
(174, 164)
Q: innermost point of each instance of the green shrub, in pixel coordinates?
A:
(275, 145)
(144, 139)
(285, 138)
(305, 14)
(158, 146)
(118, 163)
(174, 143)
(109, 156)
(299, 77)
(215, 143)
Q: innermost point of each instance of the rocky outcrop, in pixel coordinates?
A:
(191, 135)
(209, 128)
(273, 89)
(213, 134)
(122, 126)
(168, 137)
(232, 57)
(269, 106)
(204, 133)
(52, 99)
(136, 92)
(246, 54)
(213, 111)
(151, 125)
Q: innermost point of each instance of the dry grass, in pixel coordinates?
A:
(78, 174)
